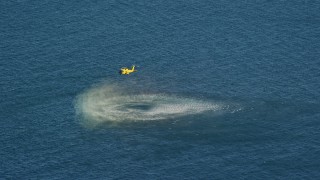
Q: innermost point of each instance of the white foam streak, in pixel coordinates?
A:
(108, 103)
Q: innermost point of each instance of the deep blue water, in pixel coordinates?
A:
(224, 89)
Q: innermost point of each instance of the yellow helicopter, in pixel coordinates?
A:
(126, 71)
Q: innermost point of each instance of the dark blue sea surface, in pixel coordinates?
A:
(224, 89)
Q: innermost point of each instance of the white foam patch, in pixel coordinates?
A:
(108, 103)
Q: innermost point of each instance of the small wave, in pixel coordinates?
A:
(110, 103)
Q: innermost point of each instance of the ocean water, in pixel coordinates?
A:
(224, 89)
